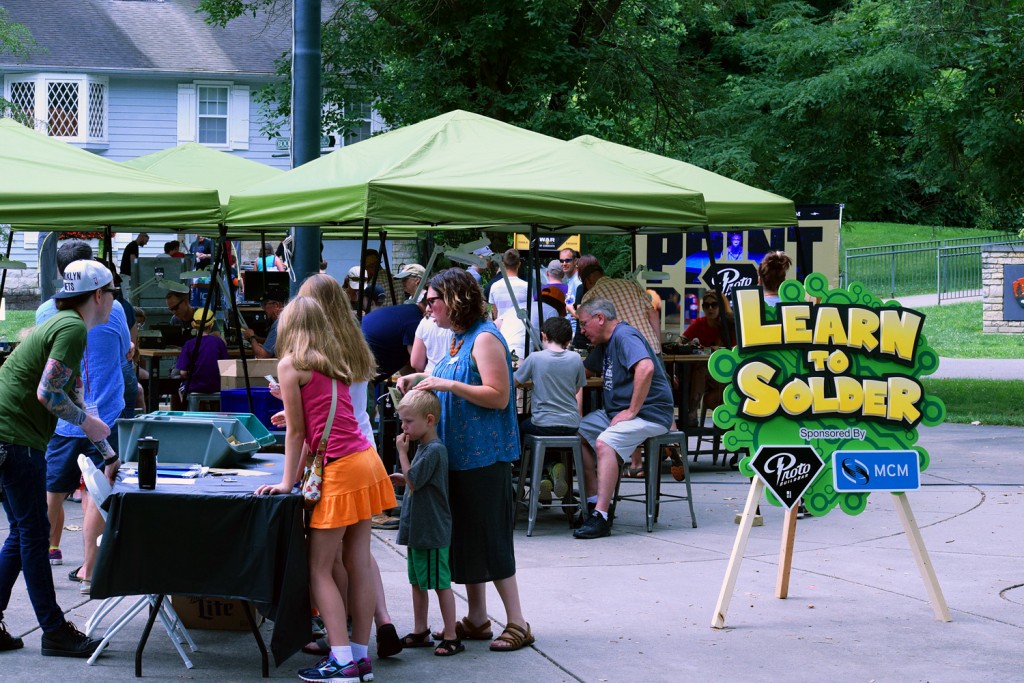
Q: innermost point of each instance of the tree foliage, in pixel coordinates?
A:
(908, 110)
(16, 40)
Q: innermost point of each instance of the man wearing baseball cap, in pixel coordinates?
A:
(411, 275)
(373, 295)
(39, 383)
(103, 363)
(273, 303)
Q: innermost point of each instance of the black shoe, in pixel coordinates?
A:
(388, 643)
(68, 641)
(596, 526)
(580, 519)
(7, 641)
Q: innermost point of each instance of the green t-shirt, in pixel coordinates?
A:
(23, 419)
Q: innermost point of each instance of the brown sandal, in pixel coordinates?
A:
(513, 638)
(678, 468)
(466, 630)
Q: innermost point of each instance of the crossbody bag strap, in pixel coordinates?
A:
(330, 416)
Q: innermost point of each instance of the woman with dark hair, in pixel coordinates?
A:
(478, 427)
(707, 331)
(771, 273)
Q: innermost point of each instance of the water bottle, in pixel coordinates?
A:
(147, 450)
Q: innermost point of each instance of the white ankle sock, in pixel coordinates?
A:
(359, 651)
(603, 514)
(342, 654)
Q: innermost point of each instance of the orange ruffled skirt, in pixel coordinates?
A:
(355, 487)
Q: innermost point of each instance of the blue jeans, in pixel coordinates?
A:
(23, 486)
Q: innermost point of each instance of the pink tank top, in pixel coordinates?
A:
(346, 437)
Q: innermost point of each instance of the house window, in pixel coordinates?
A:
(214, 114)
(69, 107)
(361, 131)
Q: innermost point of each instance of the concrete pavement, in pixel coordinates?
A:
(638, 606)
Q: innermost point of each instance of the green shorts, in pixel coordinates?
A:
(428, 569)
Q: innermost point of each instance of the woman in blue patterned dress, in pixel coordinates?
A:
(479, 429)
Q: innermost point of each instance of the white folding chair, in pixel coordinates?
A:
(99, 488)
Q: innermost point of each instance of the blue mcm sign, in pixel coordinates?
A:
(861, 471)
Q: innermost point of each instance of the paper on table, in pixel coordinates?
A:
(239, 473)
(163, 480)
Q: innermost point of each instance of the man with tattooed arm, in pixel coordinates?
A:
(39, 383)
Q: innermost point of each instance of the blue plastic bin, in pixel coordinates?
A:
(247, 420)
(213, 443)
(263, 404)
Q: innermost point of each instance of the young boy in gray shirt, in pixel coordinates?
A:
(426, 522)
(558, 377)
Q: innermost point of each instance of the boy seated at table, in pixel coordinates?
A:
(426, 522)
(206, 372)
(558, 380)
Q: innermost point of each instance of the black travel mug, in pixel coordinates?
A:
(147, 450)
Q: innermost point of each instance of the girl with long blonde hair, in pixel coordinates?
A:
(329, 293)
(314, 358)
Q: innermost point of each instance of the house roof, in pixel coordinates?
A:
(145, 35)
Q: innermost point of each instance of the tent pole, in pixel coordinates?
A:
(7, 256)
(386, 262)
(238, 320)
(108, 245)
(726, 332)
(632, 250)
(362, 258)
(212, 299)
(534, 262)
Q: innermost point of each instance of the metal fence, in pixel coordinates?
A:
(949, 268)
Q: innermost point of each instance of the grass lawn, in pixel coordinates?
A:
(861, 234)
(954, 331)
(902, 273)
(988, 401)
(16, 321)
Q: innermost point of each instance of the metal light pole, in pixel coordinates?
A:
(305, 123)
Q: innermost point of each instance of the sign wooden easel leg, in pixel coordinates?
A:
(924, 563)
(738, 548)
(786, 552)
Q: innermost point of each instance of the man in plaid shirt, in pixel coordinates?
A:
(630, 300)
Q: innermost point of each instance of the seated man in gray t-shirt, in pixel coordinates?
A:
(637, 405)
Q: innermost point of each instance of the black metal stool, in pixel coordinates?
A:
(652, 496)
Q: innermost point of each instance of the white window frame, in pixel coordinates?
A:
(42, 109)
(237, 116)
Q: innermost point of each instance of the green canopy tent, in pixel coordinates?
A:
(464, 169)
(728, 203)
(461, 170)
(49, 184)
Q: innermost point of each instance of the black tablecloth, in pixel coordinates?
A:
(215, 539)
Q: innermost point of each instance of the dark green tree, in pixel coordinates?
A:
(15, 40)
(623, 70)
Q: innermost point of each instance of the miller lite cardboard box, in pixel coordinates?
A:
(220, 614)
(231, 376)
